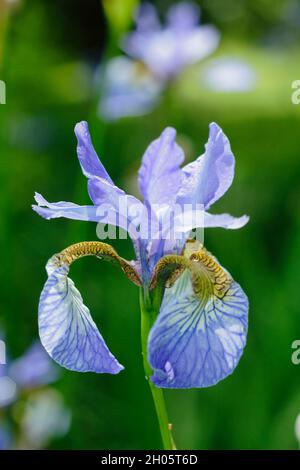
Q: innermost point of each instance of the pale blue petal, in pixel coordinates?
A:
(146, 18)
(67, 330)
(224, 221)
(160, 174)
(115, 207)
(210, 176)
(168, 50)
(88, 158)
(127, 90)
(69, 210)
(147, 26)
(43, 372)
(183, 16)
(196, 344)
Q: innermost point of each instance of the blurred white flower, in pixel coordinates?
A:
(229, 75)
(45, 417)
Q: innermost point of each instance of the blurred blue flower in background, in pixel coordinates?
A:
(25, 381)
(133, 86)
(200, 332)
(229, 74)
(127, 89)
(167, 50)
(33, 369)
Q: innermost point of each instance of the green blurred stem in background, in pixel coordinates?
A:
(150, 303)
(119, 14)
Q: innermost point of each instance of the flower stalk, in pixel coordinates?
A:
(149, 304)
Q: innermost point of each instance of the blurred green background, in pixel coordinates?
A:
(49, 52)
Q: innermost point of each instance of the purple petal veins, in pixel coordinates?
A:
(196, 344)
(67, 330)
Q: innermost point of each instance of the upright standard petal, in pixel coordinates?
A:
(200, 333)
(67, 330)
(210, 176)
(88, 158)
(160, 174)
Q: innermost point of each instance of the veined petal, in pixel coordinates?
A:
(69, 210)
(200, 333)
(88, 158)
(225, 221)
(160, 174)
(67, 330)
(209, 177)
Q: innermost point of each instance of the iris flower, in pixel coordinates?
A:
(168, 49)
(132, 86)
(194, 311)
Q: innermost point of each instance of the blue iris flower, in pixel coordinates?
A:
(200, 331)
(132, 86)
(168, 49)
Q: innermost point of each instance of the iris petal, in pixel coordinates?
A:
(88, 158)
(69, 210)
(115, 206)
(225, 221)
(210, 176)
(183, 15)
(198, 338)
(160, 174)
(67, 330)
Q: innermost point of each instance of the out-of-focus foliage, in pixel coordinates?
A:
(120, 14)
(50, 53)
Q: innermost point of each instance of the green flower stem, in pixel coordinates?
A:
(149, 303)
